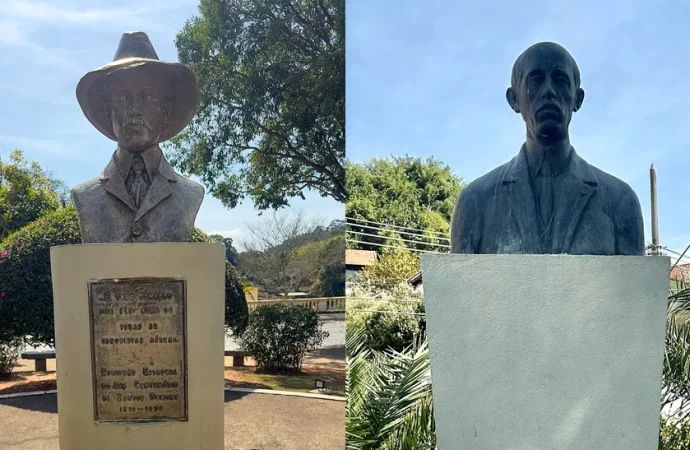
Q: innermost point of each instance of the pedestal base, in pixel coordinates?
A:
(546, 352)
(139, 333)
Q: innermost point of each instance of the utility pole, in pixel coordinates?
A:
(655, 212)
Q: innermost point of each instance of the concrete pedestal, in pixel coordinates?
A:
(85, 423)
(546, 351)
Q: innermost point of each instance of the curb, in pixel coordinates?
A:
(27, 394)
(287, 393)
(227, 389)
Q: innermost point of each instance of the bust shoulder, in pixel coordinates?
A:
(611, 183)
(85, 190)
(190, 190)
(488, 182)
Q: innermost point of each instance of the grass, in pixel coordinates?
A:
(304, 382)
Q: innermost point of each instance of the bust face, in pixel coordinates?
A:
(139, 110)
(547, 91)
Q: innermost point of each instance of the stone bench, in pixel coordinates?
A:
(39, 359)
(237, 357)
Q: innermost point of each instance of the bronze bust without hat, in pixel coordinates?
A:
(138, 101)
(547, 199)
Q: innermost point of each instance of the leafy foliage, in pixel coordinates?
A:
(393, 267)
(384, 324)
(230, 250)
(9, 354)
(272, 117)
(674, 435)
(389, 396)
(27, 192)
(288, 253)
(279, 335)
(26, 291)
(406, 192)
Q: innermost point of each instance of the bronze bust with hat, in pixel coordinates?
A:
(138, 101)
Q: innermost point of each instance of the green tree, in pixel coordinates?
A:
(272, 120)
(230, 250)
(278, 256)
(401, 192)
(26, 193)
(393, 268)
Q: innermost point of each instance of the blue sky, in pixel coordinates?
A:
(429, 79)
(46, 47)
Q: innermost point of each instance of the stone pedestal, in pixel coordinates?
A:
(139, 333)
(546, 351)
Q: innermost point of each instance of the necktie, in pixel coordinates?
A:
(138, 180)
(546, 197)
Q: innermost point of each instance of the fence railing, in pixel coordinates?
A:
(321, 304)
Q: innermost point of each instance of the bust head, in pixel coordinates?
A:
(139, 107)
(545, 90)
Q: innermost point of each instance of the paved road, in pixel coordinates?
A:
(252, 421)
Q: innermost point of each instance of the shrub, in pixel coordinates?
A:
(385, 324)
(278, 336)
(9, 353)
(674, 435)
(26, 291)
(388, 319)
(392, 268)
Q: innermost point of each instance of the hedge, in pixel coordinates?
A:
(26, 293)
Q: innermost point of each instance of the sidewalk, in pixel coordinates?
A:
(252, 421)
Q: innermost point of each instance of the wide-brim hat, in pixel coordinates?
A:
(135, 52)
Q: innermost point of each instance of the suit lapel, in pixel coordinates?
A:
(160, 189)
(517, 188)
(115, 185)
(579, 184)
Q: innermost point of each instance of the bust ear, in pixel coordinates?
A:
(511, 96)
(579, 98)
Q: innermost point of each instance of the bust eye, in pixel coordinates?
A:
(123, 97)
(147, 97)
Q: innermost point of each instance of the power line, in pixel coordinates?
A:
(399, 239)
(394, 226)
(401, 232)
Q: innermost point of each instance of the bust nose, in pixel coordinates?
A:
(548, 93)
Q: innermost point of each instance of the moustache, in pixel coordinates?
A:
(136, 121)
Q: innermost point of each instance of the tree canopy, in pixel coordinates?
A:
(289, 252)
(272, 120)
(401, 192)
(27, 192)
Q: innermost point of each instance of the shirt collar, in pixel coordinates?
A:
(152, 159)
(537, 161)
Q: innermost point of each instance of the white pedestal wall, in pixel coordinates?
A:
(203, 267)
(532, 352)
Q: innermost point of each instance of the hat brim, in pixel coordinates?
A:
(180, 80)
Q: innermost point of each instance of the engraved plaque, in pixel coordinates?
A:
(138, 349)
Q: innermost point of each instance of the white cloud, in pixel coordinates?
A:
(39, 11)
(42, 145)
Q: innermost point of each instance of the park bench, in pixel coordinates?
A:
(237, 357)
(39, 359)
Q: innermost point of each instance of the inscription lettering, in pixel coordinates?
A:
(138, 322)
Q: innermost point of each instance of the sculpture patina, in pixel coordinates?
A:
(138, 101)
(547, 199)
